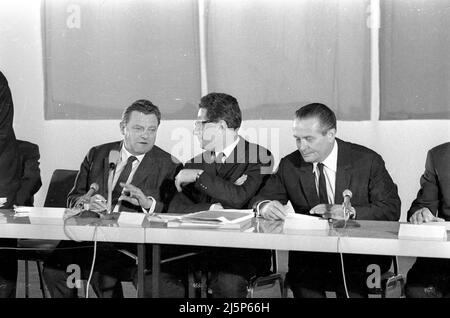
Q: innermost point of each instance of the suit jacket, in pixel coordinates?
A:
(359, 169)
(154, 176)
(216, 183)
(9, 155)
(30, 177)
(434, 192)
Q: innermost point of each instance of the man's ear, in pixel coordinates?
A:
(331, 134)
(223, 124)
(122, 128)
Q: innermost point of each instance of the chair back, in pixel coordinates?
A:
(61, 183)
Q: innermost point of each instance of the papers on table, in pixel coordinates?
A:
(223, 219)
(426, 231)
(296, 221)
(23, 211)
(39, 215)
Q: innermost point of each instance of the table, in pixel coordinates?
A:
(80, 229)
(372, 237)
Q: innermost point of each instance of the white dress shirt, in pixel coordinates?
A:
(124, 155)
(329, 170)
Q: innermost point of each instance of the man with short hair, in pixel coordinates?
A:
(142, 183)
(430, 277)
(227, 175)
(313, 178)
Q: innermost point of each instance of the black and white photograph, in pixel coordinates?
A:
(229, 157)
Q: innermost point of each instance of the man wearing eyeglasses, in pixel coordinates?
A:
(227, 174)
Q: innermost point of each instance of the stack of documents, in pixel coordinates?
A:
(223, 219)
(296, 221)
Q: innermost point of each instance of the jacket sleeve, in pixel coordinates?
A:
(384, 202)
(167, 189)
(274, 188)
(30, 182)
(428, 195)
(81, 181)
(229, 194)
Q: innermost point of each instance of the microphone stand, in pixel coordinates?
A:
(112, 168)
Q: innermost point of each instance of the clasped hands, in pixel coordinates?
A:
(274, 210)
(130, 193)
(424, 215)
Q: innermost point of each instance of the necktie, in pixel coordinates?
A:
(219, 161)
(122, 178)
(323, 197)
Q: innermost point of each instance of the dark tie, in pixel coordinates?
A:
(323, 197)
(219, 161)
(122, 178)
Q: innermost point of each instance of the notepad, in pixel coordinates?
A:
(423, 231)
(297, 221)
(227, 218)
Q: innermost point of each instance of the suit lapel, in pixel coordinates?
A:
(117, 146)
(307, 182)
(343, 172)
(236, 157)
(146, 169)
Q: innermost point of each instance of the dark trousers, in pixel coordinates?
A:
(311, 274)
(231, 269)
(110, 269)
(8, 269)
(428, 278)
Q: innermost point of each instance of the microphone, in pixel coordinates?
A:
(113, 159)
(347, 194)
(92, 189)
(85, 197)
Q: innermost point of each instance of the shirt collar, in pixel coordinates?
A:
(229, 149)
(331, 161)
(125, 154)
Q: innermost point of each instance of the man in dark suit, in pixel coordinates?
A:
(143, 182)
(430, 277)
(313, 179)
(227, 175)
(9, 184)
(30, 178)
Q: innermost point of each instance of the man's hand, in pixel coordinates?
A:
(135, 196)
(424, 215)
(330, 211)
(269, 226)
(186, 176)
(273, 210)
(241, 180)
(97, 203)
(216, 206)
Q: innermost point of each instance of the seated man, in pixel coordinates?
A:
(143, 182)
(227, 175)
(430, 277)
(30, 178)
(314, 178)
(9, 184)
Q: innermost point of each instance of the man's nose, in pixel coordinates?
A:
(302, 145)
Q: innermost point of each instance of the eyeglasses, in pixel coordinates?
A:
(200, 124)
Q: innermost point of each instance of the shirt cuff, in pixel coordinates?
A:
(257, 212)
(152, 207)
